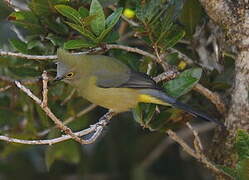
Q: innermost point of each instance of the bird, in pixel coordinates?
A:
(107, 82)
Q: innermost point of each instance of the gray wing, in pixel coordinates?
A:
(112, 73)
(136, 80)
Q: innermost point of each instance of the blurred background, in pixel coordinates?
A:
(127, 149)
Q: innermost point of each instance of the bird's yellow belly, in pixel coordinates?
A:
(117, 99)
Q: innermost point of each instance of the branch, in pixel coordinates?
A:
(107, 46)
(97, 128)
(203, 159)
(70, 119)
(45, 108)
(5, 88)
(212, 96)
(159, 149)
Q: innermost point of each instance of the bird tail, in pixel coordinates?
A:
(161, 98)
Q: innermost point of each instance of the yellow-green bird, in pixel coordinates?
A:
(107, 82)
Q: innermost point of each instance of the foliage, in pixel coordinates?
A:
(80, 25)
(241, 171)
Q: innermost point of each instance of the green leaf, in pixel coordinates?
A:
(171, 38)
(19, 46)
(27, 20)
(77, 43)
(191, 15)
(111, 37)
(230, 171)
(183, 83)
(83, 12)
(144, 113)
(138, 114)
(242, 144)
(82, 30)
(34, 43)
(98, 24)
(70, 13)
(54, 26)
(67, 151)
(110, 23)
(243, 169)
(56, 40)
(41, 8)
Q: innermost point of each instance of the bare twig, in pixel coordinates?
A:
(68, 97)
(185, 57)
(24, 81)
(159, 149)
(5, 88)
(197, 141)
(52, 57)
(97, 128)
(45, 89)
(46, 109)
(212, 96)
(166, 76)
(70, 119)
(131, 49)
(27, 56)
(166, 67)
(190, 151)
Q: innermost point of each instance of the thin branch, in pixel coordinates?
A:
(5, 88)
(190, 151)
(212, 96)
(49, 113)
(131, 49)
(68, 97)
(166, 76)
(24, 81)
(197, 141)
(70, 119)
(27, 56)
(97, 128)
(52, 57)
(45, 89)
(160, 149)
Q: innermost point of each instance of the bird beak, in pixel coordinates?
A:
(58, 78)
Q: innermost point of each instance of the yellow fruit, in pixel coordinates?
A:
(129, 13)
(182, 65)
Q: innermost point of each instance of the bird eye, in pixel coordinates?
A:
(70, 74)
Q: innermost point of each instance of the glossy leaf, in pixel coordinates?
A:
(191, 15)
(183, 83)
(34, 44)
(56, 27)
(77, 43)
(97, 24)
(83, 12)
(19, 46)
(110, 23)
(70, 13)
(82, 30)
(27, 20)
(56, 40)
(171, 38)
